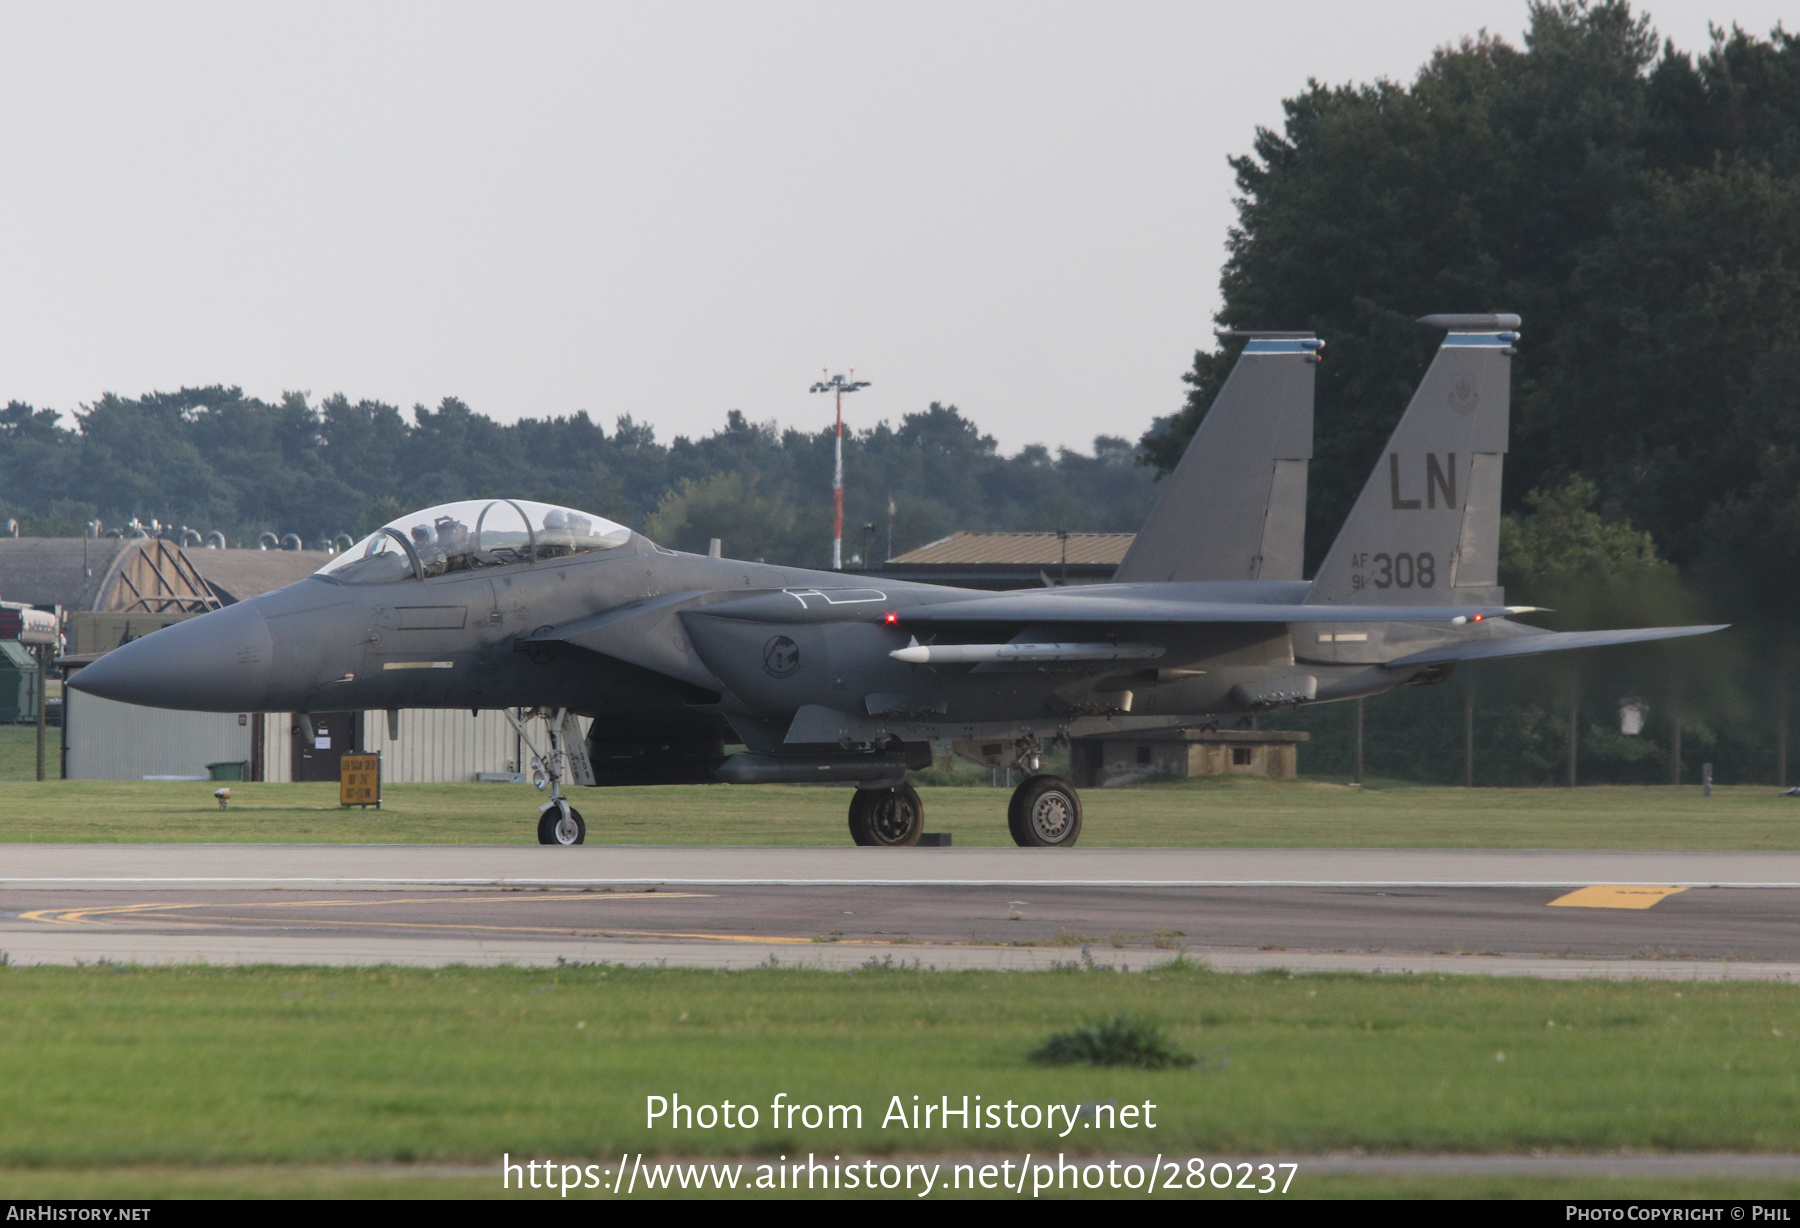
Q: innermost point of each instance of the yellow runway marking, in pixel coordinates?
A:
(158, 914)
(1615, 897)
(84, 916)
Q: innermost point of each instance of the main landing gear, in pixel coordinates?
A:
(1044, 812)
(890, 817)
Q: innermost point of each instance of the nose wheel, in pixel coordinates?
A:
(892, 818)
(1045, 812)
(560, 823)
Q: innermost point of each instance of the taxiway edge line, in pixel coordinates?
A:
(1453, 884)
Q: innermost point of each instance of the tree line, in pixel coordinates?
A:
(1639, 206)
(214, 459)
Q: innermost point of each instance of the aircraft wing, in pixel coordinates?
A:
(1058, 607)
(1549, 641)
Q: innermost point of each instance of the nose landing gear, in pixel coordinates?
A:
(559, 822)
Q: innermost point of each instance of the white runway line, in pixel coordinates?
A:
(353, 884)
(386, 867)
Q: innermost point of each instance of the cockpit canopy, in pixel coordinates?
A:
(472, 535)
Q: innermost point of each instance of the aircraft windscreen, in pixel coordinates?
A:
(471, 535)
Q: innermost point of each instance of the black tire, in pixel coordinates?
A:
(1045, 812)
(1012, 813)
(553, 829)
(887, 818)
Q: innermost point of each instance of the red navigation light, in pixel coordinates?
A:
(890, 618)
(1475, 618)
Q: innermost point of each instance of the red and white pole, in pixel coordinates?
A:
(837, 491)
(839, 385)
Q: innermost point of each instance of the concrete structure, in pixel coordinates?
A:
(1128, 759)
(101, 573)
(87, 634)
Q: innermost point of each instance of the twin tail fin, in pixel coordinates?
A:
(1426, 528)
(1235, 507)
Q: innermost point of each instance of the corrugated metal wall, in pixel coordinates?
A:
(438, 745)
(278, 746)
(115, 741)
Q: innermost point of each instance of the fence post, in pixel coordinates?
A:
(1781, 722)
(45, 655)
(1469, 737)
(1675, 744)
(1574, 733)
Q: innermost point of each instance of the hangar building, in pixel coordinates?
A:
(110, 591)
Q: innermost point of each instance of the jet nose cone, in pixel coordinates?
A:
(218, 662)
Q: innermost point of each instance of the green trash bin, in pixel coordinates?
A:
(236, 769)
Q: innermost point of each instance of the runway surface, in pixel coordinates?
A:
(1477, 911)
(385, 866)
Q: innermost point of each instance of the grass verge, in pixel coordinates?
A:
(1240, 812)
(18, 752)
(201, 1066)
(236, 1182)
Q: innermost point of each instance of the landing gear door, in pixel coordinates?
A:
(581, 770)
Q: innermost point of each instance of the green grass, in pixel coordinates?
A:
(245, 1066)
(18, 752)
(1239, 812)
(403, 1182)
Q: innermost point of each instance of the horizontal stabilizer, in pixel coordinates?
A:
(1549, 641)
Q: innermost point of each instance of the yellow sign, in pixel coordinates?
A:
(1615, 897)
(359, 780)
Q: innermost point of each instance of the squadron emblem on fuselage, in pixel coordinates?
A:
(781, 657)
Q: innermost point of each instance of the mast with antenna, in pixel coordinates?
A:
(839, 384)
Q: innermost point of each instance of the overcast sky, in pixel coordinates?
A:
(663, 209)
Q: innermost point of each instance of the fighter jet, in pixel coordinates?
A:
(512, 604)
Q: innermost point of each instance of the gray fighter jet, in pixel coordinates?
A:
(510, 604)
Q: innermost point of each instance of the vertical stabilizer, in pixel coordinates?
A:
(1426, 529)
(1235, 507)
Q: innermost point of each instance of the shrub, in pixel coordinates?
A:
(1122, 1041)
